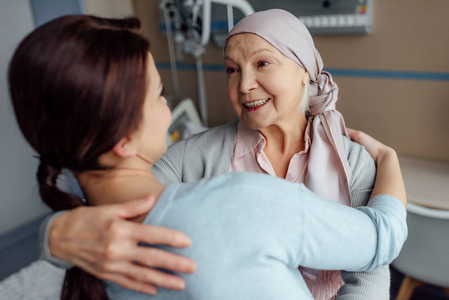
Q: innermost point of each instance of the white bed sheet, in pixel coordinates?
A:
(38, 281)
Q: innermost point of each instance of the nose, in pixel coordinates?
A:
(248, 82)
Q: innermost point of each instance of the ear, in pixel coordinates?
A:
(125, 147)
(305, 78)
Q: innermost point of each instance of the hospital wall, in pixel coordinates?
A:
(19, 200)
(394, 82)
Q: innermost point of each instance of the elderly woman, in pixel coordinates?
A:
(288, 128)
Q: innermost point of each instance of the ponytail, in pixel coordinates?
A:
(77, 283)
(56, 199)
(81, 285)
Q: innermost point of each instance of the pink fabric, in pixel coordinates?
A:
(249, 156)
(328, 172)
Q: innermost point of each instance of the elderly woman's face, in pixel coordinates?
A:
(263, 85)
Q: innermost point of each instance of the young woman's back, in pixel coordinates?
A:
(250, 232)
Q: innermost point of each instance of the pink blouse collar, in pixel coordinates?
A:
(247, 140)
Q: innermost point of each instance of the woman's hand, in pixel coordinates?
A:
(389, 178)
(375, 148)
(101, 241)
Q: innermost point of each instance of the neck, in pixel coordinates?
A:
(283, 141)
(286, 138)
(124, 182)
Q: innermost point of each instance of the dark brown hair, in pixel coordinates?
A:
(78, 84)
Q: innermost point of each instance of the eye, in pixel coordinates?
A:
(230, 70)
(262, 63)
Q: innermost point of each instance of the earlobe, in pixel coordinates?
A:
(305, 78)
(125, 148)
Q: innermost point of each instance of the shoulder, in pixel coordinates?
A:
(206, 141)
(215, 140)
(358, 157)
(215, 133)
(362, 166)
(201, 155)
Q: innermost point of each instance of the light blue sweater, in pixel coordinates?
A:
(250, 233)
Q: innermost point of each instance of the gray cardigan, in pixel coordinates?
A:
(209, 153)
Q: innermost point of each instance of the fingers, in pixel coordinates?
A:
(127, 282)
(361, 137)
(354, 134)
(157, 235)
(124, 237)
(134, 276)
(371, 145)
(138, 278)
(122, 245)
(157, 258)
(131, 284)
(151, 276)
(108, 221)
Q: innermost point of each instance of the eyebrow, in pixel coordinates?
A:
(253, 53)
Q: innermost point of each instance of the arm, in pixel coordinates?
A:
(169, 168)
(366, 285)
(388, 183)
(110, 251)
(332, 242)
(389, 178)
(374, 284)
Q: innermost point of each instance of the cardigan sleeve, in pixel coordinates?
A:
(374, 284)
(202, 155)
(168, 169)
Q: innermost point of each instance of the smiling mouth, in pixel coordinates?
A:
(257, 103)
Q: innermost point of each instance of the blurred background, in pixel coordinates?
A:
(392, 68)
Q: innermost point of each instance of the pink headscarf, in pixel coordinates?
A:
(329, 173)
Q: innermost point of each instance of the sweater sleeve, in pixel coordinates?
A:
(168, 169)
(45, 253)
(202, 155)
(374, 284)
(67, 182)
(330, 242)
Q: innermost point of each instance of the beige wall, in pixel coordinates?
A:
(410, 115)
(110, 8)
(409, 35)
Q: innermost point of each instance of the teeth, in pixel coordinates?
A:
(256, 103)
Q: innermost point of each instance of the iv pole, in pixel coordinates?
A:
(164, 5)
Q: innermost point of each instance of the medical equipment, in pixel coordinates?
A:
(191, 22)
(335, 16)
(327, 16)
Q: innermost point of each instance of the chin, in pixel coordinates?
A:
(256, 125)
